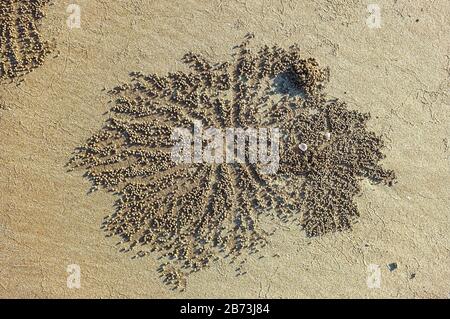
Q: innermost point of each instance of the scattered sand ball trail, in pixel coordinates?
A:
(193, 214)
(21, 46)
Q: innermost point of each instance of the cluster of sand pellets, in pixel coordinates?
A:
(21, 46)
(192, 214)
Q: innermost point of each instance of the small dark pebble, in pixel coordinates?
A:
(392, 266)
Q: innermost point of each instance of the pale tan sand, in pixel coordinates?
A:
(399, 73)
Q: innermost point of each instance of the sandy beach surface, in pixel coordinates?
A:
(399, 72)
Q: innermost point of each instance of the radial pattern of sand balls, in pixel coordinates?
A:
(21, 46)
(194, 214)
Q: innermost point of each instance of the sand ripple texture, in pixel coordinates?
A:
(194, 214)
(21, 46)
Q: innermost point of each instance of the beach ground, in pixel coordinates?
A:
(399, 72)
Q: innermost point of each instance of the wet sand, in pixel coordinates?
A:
(398, 73)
